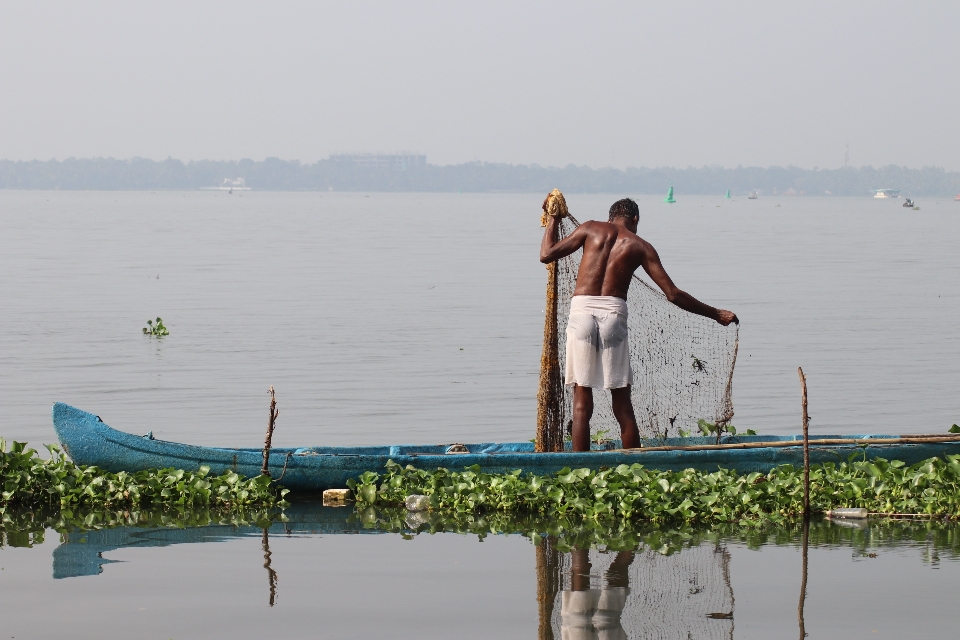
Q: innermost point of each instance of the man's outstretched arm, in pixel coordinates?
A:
(551, 250)
(677, 296)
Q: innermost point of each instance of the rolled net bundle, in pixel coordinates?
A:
(682, 362)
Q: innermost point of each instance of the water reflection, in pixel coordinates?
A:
(805, 553)
(271, 574)
(613, 595)
(592, 581)
(595, 613)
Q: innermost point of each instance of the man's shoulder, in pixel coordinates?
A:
(597, 226)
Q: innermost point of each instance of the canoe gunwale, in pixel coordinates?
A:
(89, 441)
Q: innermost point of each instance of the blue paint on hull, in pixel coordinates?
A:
(89, 441)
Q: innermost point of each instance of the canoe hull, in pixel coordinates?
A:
(89, 441)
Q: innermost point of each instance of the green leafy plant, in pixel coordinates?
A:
(635, 492)
(157, 330)
(30, 481)
(720, 429)
(600, 437)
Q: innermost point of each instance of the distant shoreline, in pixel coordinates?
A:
(273, 174)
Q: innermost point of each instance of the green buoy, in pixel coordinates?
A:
(669, 197)
(728, 193)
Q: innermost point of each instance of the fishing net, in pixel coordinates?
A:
(682, 362)
(663, 597)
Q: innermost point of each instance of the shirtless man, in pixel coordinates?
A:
(598, 352)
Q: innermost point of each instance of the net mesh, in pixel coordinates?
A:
(682, 362)
(678, 596)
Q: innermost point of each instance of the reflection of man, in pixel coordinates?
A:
(598, 353)
(594, 614)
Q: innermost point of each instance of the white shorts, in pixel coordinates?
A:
(598, 352)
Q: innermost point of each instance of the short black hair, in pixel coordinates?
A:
(625, 208)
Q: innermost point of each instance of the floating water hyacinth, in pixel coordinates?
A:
(30, 481)
(931, 487)
(155, 330)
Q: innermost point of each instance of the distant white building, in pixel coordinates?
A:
(402, 160)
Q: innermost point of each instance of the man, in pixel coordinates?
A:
(598, 352)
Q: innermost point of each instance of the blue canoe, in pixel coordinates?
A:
(89, 441)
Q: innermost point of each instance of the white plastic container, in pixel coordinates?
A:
(858, 514)
(417, 503)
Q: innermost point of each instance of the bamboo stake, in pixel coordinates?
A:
(271, 425)
(796, 443)
(806, 445)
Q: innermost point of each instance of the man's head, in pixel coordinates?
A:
(628, 210)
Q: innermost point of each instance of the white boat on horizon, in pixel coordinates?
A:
(229, 185)
(887, 193)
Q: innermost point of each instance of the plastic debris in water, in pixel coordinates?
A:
(847, 513)
(417, 503)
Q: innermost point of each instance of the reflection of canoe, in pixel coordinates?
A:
(87, 440)
(81, 552)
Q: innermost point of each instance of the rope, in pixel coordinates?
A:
(285, 461)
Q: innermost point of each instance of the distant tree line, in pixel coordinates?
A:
(274, 174)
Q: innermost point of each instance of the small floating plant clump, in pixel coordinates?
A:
(33, 482)
(931, 487)
(157, 330)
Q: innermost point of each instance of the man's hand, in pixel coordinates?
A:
(725, 317)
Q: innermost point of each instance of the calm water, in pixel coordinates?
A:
(214, 583)
(418, 318)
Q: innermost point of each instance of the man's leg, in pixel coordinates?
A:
(582, 412)
(618, 574)
(580, 568)
(623, 411)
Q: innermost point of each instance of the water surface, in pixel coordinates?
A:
(325, 573)
(388, 318)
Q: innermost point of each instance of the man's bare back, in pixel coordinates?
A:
(612, 252)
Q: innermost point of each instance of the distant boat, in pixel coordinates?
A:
(728, 193)
(752, 196)
(887, 193)
(957, 198)
(230, 185)
(669, 197)
(907, 203)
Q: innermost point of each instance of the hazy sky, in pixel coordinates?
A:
(596, 83)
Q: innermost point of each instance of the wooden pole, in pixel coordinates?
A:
(883, 440)
(271, 425)
(803, 579)
(806, 446)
